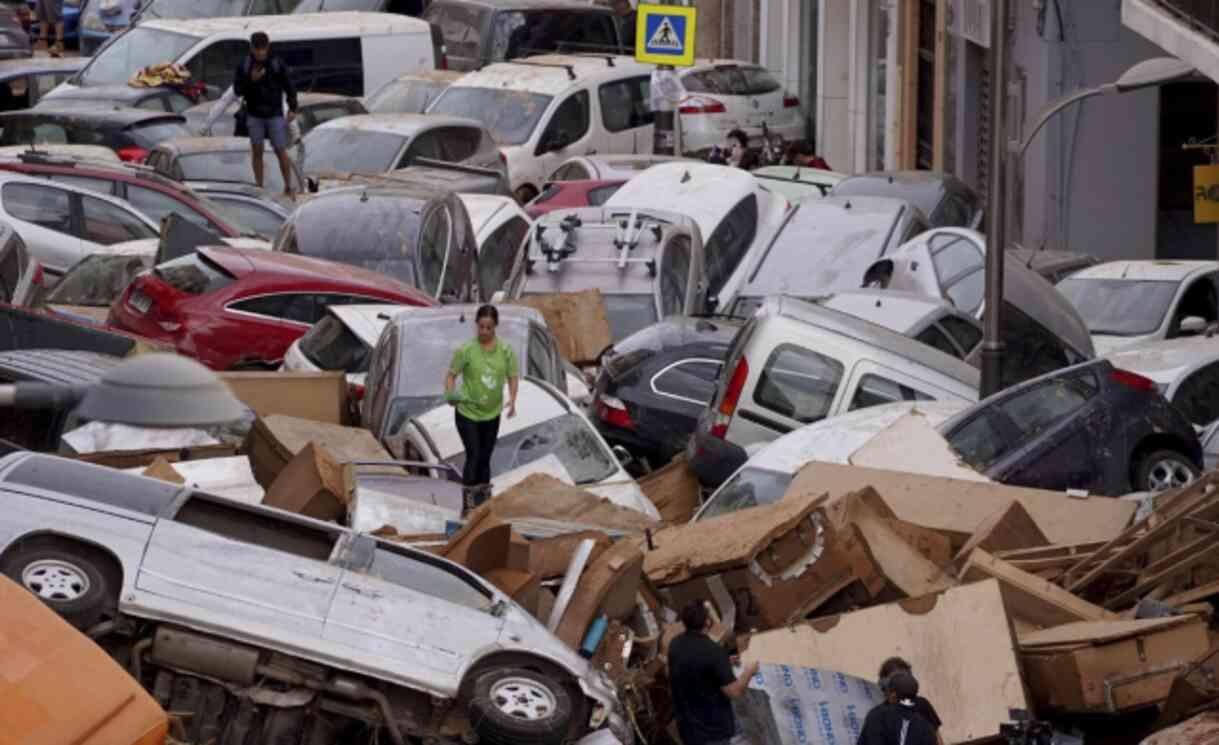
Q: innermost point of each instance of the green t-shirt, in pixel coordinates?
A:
(483, 373)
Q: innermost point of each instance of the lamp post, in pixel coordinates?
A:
(1150, 73)
(151, 390)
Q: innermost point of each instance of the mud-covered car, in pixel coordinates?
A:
(265, 625)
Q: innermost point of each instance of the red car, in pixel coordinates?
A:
(234, 308)
(561, 195)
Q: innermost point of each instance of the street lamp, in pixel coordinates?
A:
(1149, 73)
(151, 390)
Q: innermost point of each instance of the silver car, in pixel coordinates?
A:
(279, 622)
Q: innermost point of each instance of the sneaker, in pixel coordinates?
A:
(56, 50)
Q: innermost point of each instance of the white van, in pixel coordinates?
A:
(547, 109)
(347, 53)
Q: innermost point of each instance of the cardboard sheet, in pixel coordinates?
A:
(912, 445)
(674, 490)
(320, 396)
(958, 641)
(225, 477)
(577, 320)
(959, 507)
(275, 440)
(1008, 528)
(96, 437)
(542, 496)
(1029, 597)
(788, 705)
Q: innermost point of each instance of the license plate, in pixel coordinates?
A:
(140, 302)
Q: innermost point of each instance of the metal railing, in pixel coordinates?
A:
(1200, 15)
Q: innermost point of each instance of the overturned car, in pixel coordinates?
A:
(258, 622)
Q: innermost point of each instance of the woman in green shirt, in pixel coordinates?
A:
(483, 363)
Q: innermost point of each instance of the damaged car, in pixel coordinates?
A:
(217, 160)
(265, 625)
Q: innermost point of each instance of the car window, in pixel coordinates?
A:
(689, 380)
(405, 96)
(177, 104)
(569, 123)
(966, 335)
(251, 216)
(539, 364)
(158, 206)
(675, 275)
(433, 249)
(953, 256)
(518, 33)
(44, 206)
(979, 441)
(953, 212)
(602, 194)
(935, 338)
(300, 308)
(217, 64)
(461, 26)
(875, 390)
(378, 380)
(104, 186)
(327, 65)
(497, 255)
(108, 224)
(428, 577)
(568, 437)
(967, 292)
(1037, 409)
(730, 242)
(322, 114)
(798, 383)
(50, 133)
(625, 104)
(150, 134)
(151, 104)
(332, 346)
(257, 527)
(426, 145)
(1197, 397)
(194, 274)
(458, 143)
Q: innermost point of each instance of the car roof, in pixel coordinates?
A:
(246, 261)
(365, 320)
(924, 189)
(800, 174)
(536, 402)
(548, 74)
(304, 25)
(120, 116)
(680, 331)
(196, 145)
(870, 334)
(115, 91)
(59, 366)
(443, 76)
(1151, 269)
(902, 312)
(405, 125)
(623, 166)
(35, 65)
(1166, 360)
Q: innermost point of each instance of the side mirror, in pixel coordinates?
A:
(623, 456)
(1192, 326)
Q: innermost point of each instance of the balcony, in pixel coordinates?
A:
(1188, 29)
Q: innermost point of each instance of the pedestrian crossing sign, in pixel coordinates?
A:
(664, 35)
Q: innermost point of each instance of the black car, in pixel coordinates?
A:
(129, 132)
(1092, 427)
(157, 99)
(946, 200)
(480, 32)
(655, 383)
(40, 430)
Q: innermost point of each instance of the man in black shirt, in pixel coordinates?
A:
(896, 722)
(263, 82)
(921, 705)
(700, 674)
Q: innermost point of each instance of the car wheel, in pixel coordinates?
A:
(1162, 470)
(515, 706)
(525, 194)
(65, 576)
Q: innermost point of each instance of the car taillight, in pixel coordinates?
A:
(503, 158)
(791, 102)
(613, 412)
(132, 154)
(732, 396)
(1133, 380)
(702, 106)
(40, 278)
(357, 392)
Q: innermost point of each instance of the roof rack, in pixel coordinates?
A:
(555, 252)
(592, 51)
(571, 69)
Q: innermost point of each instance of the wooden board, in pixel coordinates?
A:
(578, 321)
(959, 507)
(958, 641)
(1009, 527)
(674, 490)
(1029, 597)
(910, 444)
(543, 496)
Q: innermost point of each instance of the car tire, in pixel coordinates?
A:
(525, 194)
(1160, 470)
(515, 706)
(69, 578)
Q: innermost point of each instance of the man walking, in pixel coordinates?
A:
(50, 13)
(700, 675)
(896, 721)
(263, 82)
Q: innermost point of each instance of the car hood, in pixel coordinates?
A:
(1107, 344)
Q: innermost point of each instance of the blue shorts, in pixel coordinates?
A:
(274, 129)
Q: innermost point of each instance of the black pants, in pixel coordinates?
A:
(479, 441)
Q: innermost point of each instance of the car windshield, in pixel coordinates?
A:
(193, 9)
(1120, 307)
(96, 281)
(245, 217)
(749, 487)
(332, 346)
(154, 133)
(568, 438)
(629, 313)
(348, 150)
(230, 166)
(510, 116)
(520, 33)
(131, 52)
(731, 80)
(405, 96)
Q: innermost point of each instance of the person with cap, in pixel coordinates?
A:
(897, 721)
(921, 705)
(702, 682)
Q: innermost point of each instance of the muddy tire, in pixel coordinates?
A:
(515, 706)
(1163, 469)
(69, 578)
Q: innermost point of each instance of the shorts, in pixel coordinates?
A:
(50, 11)
(274, 129)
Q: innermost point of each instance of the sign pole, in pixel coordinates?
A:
(664, 135)
(996, 217)
(665, 37)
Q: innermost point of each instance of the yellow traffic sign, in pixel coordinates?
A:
(664, 34)
(1206, 194)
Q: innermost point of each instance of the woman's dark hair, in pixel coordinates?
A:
(487, 311)
(694, 616)
(740, 136)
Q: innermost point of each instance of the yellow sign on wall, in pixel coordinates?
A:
(1206, 194)
(664, 35)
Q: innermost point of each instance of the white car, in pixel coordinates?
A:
(1185, 370)
(546, 109)
(1127, 303)
(735, 215)
(718, 96)
(798, 182)
(549, 434)
(500, 227)
(610, 167)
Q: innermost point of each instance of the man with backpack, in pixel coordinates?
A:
(263, 83)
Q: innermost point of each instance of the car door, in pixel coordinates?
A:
(413, 613)
(796, 384)
(873, 384)
(626, 115)
(261, 328)
(1197, 395)
(42, 216)
(105, 223)
(567, 134)
(229, 565)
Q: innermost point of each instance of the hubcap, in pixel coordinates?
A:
(523, 698)
(1168, 474)
(52, 579)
